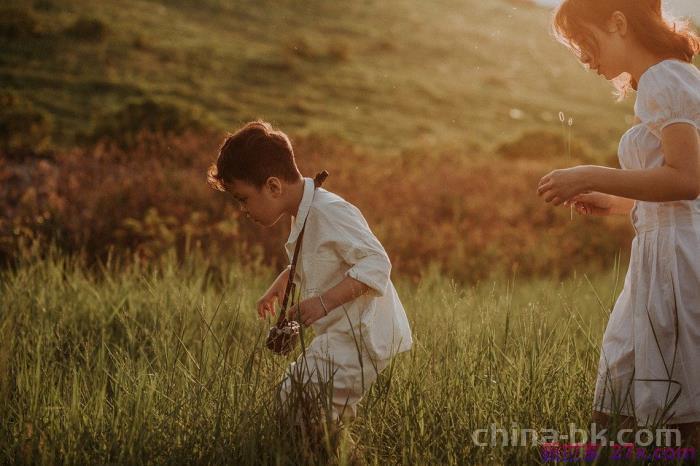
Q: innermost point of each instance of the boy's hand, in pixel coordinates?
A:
(306, 312)
(266, 304)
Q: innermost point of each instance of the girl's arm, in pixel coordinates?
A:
(621, 205)
(678, 179)
(601, 204)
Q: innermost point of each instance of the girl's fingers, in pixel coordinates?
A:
(545, 187)
(549, 196)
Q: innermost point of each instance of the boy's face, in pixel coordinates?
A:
(263, 205)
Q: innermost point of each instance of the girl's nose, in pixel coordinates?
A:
(587, 60)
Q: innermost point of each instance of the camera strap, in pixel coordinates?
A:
(289, 291)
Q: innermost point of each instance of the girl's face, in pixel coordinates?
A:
(607, 57)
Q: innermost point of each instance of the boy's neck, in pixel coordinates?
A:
(296, 194)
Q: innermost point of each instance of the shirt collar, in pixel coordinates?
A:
(303, 210)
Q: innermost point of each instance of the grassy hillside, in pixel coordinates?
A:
(387, 75)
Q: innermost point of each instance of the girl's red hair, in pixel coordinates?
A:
(665, 37)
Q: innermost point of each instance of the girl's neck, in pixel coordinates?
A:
(644, 60)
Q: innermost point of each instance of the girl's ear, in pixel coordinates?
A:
(274, 185)
(618, 23)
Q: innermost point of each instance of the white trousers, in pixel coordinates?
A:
(334, 370)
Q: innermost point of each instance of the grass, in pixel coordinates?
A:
(393, 76)
(166, 364)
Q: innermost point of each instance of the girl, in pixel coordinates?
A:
(649, 368)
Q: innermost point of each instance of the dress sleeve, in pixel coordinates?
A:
(668, 96)
(348, 234)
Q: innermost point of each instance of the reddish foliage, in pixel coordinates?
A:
(472, 215)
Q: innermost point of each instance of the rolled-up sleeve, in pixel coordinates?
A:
(346, 231)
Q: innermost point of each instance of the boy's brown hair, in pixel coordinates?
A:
(253, 154)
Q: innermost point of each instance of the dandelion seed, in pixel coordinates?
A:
(568, 151)
(566, 139)
(516, 114)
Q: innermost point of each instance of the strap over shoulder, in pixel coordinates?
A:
(281, 319)
(320, 178)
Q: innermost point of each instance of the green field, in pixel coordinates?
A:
(137, 342)
(129, 365)
(390, 76)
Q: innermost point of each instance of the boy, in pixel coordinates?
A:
(343, 272)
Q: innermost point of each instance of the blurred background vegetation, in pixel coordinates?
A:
(436, 119)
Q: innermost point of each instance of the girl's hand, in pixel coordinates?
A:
(560, 186)
(598, 204)
(306, 312)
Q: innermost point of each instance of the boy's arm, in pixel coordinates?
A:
(266, 303)
(342, 293)
(312, 309)
(348, 234)
(351, 238)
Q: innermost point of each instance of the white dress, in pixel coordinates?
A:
(650, 360)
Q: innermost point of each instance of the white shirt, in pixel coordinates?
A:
(338, 243)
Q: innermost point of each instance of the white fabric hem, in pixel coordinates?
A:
(674, 121)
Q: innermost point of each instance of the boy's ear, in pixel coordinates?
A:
(274, 185)
(618, 23)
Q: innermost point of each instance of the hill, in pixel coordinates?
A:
(389, 76)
